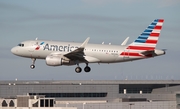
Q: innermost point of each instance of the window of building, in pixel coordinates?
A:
(46, 103)
(11, 104)
(71, 94)
(35, 104)
(4, 104)
(41, 103)
(138, 88)
(51, 102)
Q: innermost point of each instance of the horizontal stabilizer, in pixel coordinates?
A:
(152, 53)
(148, 52)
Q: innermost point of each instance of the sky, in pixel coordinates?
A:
(109, 21)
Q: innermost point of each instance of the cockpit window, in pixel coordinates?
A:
(21, 45)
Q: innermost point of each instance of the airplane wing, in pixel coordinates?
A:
(78, 54)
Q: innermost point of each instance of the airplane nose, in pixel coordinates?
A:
(13, 50)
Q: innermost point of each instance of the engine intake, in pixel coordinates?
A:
(56, 60)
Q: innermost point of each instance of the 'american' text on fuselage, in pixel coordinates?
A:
(67, 48)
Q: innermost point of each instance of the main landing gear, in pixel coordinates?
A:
(77, 69)
(33, 62)
(86, 69)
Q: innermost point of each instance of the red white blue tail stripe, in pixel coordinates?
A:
(150, 35)
(147, 40)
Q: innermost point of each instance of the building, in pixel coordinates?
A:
(91, 94)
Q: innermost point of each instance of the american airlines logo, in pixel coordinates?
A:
(38, 47)
(66, 48)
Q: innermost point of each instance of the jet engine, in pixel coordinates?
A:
(57, 60)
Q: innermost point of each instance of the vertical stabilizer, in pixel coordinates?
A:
(149, 38)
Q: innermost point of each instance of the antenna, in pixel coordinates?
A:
(102, 42)
(36, 38)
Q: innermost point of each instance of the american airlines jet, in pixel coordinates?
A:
(58, 53)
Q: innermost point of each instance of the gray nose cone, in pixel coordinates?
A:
(14, 50)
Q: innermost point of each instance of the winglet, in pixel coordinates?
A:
(84, 43)
(125, 41)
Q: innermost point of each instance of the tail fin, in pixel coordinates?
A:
(149, 38)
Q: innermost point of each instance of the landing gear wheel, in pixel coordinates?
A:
(32, 66)
(87, 69)
(78, 69)
(33, 62)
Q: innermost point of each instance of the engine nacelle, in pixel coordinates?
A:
(56, 60)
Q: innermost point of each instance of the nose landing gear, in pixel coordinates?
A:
(32, 66)
(33, 62)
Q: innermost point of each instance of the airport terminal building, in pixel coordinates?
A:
(90, 94)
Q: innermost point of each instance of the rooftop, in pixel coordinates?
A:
(80, 82)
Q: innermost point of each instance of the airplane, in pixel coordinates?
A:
(58, 53)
